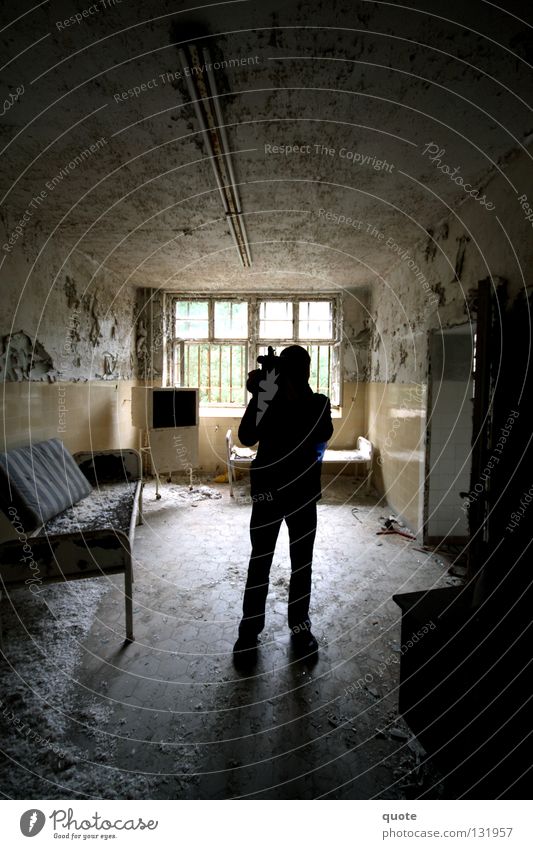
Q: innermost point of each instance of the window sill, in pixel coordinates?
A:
(238, 412)
(221, 412)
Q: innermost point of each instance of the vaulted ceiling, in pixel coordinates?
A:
(362, 88)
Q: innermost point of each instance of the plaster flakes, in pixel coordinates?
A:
(444, 231)
(110, 365)
(460, 258)
(108, 506)
(69, 288)
(21, 359)
(431, 247)
(91, 305)
(440, 291)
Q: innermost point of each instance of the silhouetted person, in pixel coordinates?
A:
(292, 424)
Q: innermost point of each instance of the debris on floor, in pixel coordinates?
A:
(168, 716)
(107, 506)
(223, 478)
(182, 493)
(391, 525)
(41, 716)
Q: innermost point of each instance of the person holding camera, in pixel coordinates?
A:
(292, 425)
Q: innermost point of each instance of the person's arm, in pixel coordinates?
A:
(324, 429)
(255, 421)
(248, 427)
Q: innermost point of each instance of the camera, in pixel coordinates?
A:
(270, 362)
(270, 373)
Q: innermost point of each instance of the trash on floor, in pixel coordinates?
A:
(393, 526)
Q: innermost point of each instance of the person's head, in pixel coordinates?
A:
(297, 364)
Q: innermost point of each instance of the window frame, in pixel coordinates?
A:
(253, 342)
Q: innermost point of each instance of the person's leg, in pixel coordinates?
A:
(264, 529)
(302, 531)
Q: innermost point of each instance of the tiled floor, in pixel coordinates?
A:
(171, 717)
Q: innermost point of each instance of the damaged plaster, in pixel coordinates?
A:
(454, 258)
(82, 323)
(71, 294)
(23, 359)
(90, 302)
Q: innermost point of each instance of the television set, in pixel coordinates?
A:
(174, 408)
(170, 418)
(164, 408)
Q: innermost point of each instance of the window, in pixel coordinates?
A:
(216, 342)
(275, 320)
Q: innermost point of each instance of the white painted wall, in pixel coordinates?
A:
(450, 431)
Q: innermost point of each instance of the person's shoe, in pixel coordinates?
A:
(245, 652)
(305, 643)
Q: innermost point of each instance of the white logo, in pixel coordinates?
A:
(32, 822)
(267, 390)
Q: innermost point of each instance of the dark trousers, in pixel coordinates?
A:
(265, 523)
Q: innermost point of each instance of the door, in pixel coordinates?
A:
(450, 424)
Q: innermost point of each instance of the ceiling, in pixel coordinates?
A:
(378, 80)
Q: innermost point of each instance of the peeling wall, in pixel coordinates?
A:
(357, 327)
(60, 320)
(65, 329)
(23, 359)
(72, 326)
(468, 246)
